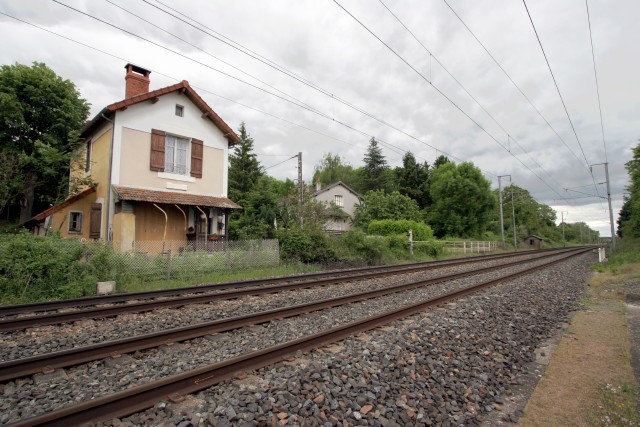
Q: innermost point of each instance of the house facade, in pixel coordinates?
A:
(158, 163)
(343, 197)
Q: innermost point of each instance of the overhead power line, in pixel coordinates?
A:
(595, 73)
(515, 84)
(434, 57)
(560, 94)
(423, 77)
(393, 147)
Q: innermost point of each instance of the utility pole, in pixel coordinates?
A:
(501, 214)
(606, 172)
(300, 187)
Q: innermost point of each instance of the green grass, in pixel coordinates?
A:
(616, 406)
(140, 285)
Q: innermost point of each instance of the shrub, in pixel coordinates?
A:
(386, 227)
(34, 268)
(305, 245)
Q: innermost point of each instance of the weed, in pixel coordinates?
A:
(616, 406)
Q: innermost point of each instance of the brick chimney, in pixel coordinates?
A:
(137, 81)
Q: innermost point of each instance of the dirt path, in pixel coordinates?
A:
(589, 380)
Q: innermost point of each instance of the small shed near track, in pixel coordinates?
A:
(533, 242)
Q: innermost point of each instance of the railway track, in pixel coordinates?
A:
(252, 287)
(140, 397)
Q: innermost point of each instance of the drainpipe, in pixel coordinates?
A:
(185, 218)
(166, 220)
(108, 212)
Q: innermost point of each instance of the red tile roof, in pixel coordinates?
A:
(191, 94)
(53, 209)
(168, 197)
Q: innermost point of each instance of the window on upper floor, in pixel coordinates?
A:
(176, 159)
(175, 154)
(337, 199)
(75, 222)
(179, 110)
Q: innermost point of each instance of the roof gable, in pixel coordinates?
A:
(336, 184)
(182, 87)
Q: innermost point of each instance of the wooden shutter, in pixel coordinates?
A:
(157, 150)
(196, 158)
(95, 221)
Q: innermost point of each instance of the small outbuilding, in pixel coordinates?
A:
(533, 242)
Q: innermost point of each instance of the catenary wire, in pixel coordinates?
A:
(595, 73)
(443, 94)
(434, 57)
(560, 95)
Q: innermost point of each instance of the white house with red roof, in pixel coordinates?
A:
(158, 161)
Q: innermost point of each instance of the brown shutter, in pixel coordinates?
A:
(196, 158)
(95, 220)
(157, 150)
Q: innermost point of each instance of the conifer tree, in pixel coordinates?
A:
(375, 171)
(244, 168)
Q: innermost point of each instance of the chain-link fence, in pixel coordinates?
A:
(168, 259)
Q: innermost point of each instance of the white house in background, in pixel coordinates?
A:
(342, 196)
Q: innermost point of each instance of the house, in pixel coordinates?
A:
(158, 164)
(340, 195)
(533, 242)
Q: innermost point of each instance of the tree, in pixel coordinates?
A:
(630, 222)
(332, 169)
(375, 171)
(413, 179)
(623, 216)
(462, 200)
(441, 160)
(41, 115)
(244, 168)
(379, 205)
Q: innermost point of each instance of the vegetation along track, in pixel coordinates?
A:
(140, 397)
(246, 288)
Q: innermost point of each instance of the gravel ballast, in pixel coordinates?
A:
(464, 351)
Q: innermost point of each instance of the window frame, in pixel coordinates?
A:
(338, 200)
(78, 228)
(174, 150)
(179, 111)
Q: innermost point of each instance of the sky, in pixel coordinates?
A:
(462, 78)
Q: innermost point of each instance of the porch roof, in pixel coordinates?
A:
(173, 198)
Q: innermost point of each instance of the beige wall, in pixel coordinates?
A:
(135, 171)
(60, 219)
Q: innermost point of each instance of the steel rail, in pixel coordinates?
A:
(30, 365)
(175, 387)
(16, 323)
(124, 297)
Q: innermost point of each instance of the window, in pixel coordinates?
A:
(75, 222)
(179, 110)
(87, 156)
(176, 155)
(337, 199)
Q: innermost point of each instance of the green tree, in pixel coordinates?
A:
(623, 216)
(441, 160)
(41, 115)
(462, 200)
(332, 168)
(379, 205)
(375, 173)
(413, 179)
(244, 168)
(630, 223)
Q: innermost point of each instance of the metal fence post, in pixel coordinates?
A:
(411, 242)
(168, 264)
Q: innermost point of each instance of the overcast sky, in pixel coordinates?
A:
(325, 84)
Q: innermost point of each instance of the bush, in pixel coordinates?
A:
(432, 248)
(34, 268)
(386, 227)
(304, 245)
